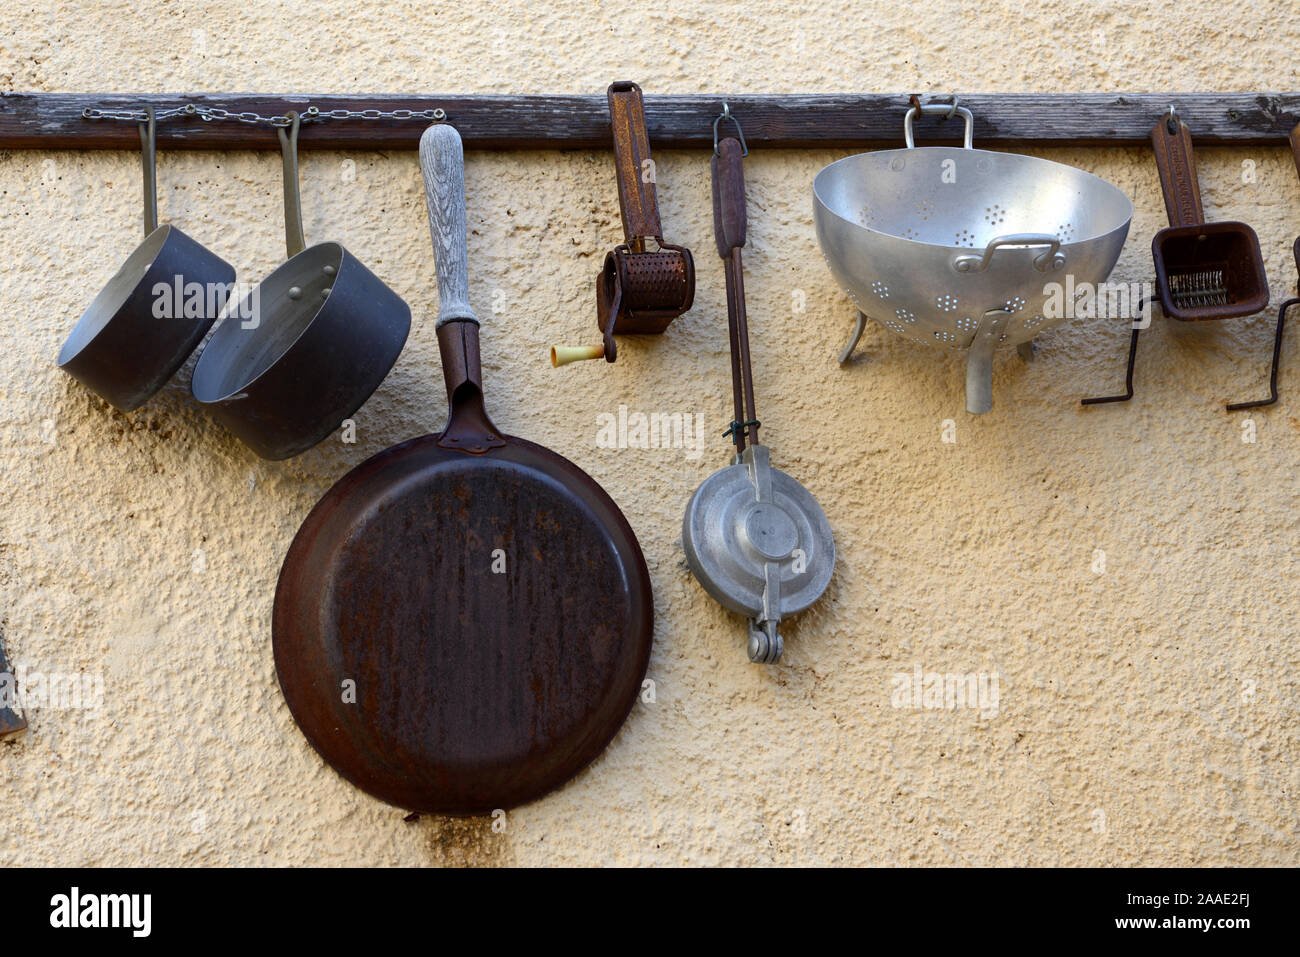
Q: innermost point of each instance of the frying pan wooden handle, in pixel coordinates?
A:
(729, 219)
(442, 161)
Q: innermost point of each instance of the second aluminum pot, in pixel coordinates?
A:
(307, 347)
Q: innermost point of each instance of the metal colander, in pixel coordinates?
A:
(954, 246)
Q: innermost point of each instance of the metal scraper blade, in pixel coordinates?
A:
(1202, 287)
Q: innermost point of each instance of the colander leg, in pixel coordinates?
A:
(979, 361)
(1026, 350)
(857, 334)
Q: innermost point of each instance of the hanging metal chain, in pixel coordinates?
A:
(210, 113)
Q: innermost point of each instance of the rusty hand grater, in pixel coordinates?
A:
(638, 292)
(1203, 270)
(12, 723)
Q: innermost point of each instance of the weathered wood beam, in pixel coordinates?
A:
(55, 120)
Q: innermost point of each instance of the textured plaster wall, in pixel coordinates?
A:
(1147, 713)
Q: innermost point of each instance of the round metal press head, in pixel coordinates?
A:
(730, 538)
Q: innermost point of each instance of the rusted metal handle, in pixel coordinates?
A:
(633, 165)
(1176, 163)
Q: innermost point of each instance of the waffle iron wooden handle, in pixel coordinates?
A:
(729, 218)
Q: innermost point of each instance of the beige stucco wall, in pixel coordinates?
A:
(1147, 714)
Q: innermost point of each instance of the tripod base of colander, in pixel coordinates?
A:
(979, 361)
(847, 352)
(979, 356)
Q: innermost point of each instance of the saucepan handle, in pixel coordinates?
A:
(1052, 259)
(442, 161)
(294, 240)
(149, 160)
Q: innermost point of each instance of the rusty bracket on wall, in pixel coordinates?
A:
(57, 121)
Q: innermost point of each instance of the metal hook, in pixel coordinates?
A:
(1171, 123)
(294, 241)
(149, 160)
(915, 101)
(726, 115)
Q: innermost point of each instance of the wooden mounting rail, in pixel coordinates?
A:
(534, 122)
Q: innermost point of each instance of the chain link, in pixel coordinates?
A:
(210, 113)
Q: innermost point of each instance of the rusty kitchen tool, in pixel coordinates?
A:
(638, 292)
(483, 598)
(959, 247)
(129, 342)
(1203, 270)
(12, 723)
(307, 347)
(755, 539)
(1277, 341)
(1281, 312)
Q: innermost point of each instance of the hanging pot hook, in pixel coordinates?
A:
(726, 115)
(294, 241)
(1171, 122)
(149, 160)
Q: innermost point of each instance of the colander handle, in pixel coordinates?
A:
(1052, 259)
(947, 109)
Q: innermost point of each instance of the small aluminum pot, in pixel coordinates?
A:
(306, 348)
(124, 346)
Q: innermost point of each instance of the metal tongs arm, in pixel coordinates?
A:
(729, 231)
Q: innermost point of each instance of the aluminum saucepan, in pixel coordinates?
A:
(306, 348)
(155, 310)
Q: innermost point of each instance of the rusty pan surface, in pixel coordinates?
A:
(493, 613)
